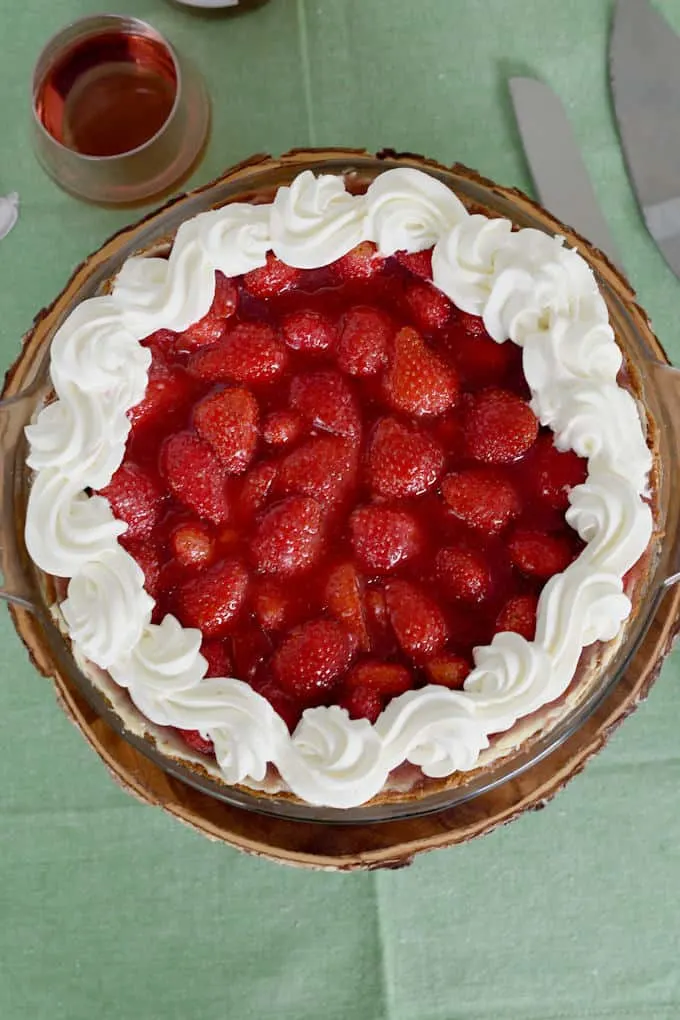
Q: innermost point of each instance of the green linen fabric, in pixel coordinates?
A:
(111, 910)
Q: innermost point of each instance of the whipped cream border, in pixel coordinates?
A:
(530, 290)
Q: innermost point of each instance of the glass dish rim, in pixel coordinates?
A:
(218, 193)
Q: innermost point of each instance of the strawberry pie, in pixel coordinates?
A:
(341, 490)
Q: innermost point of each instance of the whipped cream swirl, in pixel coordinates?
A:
(434, 728)
(96, 352)
(65, 528)
(107, 608)
(512, 678)
(236, 239)
(408, 213)
(530, 290)
(79, 435)
(464, 261)
(329, 750)
(610, 517)
(172, 293)
(166, 658)
(315, 221)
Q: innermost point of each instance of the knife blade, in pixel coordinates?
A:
(644, 64)
(556, 164)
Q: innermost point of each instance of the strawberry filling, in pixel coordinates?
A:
(337, 477)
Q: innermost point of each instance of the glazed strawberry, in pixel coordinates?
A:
(402, 460)
(269, 607)
(556, 473)
(212, 600)
(364, 340)
(271, 279)
(343, 599)
(361, 263)
(482, 498)
(539, 554)
(283, 704)
(147, 556)
(210, 328)
(192, 544)
(217, 656)
(384, 537)
(463, 573)
(195, 476)
(136, 498)
(472, 324)
(168, 392)
(289, 538)
(416, 380)
(203, 333)
(225, 301)
(228, 421)
(361, 703)
(447, 670)
(251, 648)
(275, 606)
(417, 262)
(311, 660)
(160, 343)
(255, 489)
(481, 361)
(500, 427)
(417, 620)
(519, 615)
(327, 402)
(324, 467)
(309, 330)
(448, 431)
(389, 679)
(376, 607)
(381, 637)
(281, 428)
(430, 309)
(197, 743)
(250, 352)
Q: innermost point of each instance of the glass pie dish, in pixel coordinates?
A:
(522, 777)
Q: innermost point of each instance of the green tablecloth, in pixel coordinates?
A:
(109, 909)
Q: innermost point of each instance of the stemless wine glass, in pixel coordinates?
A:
(118, 115)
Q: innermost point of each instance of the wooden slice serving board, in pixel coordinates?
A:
(389, 844)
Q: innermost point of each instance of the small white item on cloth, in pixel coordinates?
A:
(9, 212)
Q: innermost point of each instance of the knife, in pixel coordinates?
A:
(644, 60)
(556, 164)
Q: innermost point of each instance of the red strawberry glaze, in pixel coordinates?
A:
(338, 478)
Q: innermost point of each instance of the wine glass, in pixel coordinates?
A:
(118, 115)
